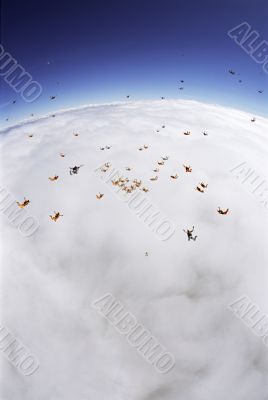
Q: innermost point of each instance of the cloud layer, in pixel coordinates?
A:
(180, 291)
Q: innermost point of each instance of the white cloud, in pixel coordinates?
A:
(180, 292)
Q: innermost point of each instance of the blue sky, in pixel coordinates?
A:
(101, 51)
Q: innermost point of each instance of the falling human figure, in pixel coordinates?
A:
(56, 216)
(62, 155)
(52, 97)
(253, 119)
(137, 182)
(199, 189)
(204, 185)
(188, 168)
(174, 176)
(220, 211)
(99, 196)
(146, 254)
(187, 133)
(231, 72)
(76, 134)
(24, 204)
(190, 234)
(53, 178)
(205, 133)
(75, 169)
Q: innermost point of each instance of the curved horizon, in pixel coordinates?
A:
(65, 110)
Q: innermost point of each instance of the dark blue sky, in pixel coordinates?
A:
(100, 51)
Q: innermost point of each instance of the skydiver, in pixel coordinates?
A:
(53, 178)
(56, 216)
(24, 204)
(75, 169)
(220, 211)
(137, 182)
(52, 97)
(188, 168)
(190, 234)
